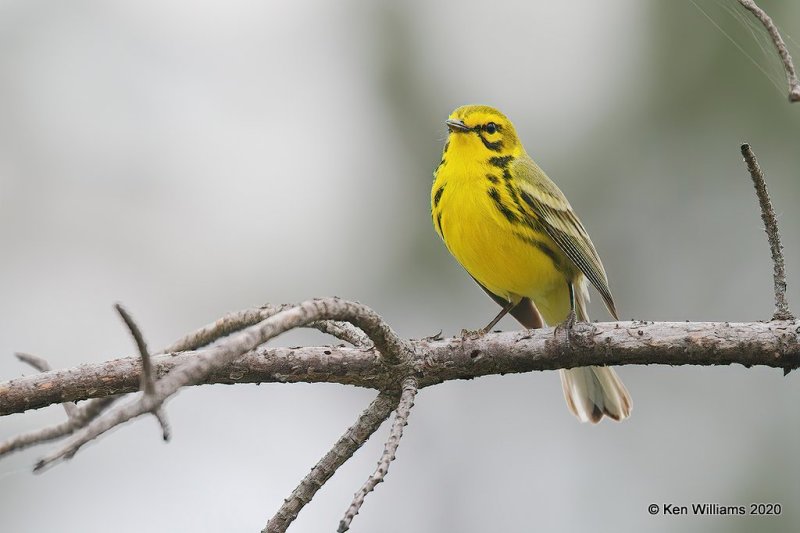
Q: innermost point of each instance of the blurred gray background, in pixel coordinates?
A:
(195, 158)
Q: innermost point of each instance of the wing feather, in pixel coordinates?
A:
(555, 216)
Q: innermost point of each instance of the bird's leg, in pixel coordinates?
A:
(481, 332)
(503, 312)
(572, 317)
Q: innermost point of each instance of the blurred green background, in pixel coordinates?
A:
(194, 158)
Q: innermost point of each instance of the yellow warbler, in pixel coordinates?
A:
(516, 234)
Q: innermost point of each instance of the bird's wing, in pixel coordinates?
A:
(552, 211)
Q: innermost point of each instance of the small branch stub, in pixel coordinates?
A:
(771, 227)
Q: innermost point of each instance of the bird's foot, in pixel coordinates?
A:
(472, 334)
(566, 327)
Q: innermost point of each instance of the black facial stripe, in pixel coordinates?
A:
(495, 146)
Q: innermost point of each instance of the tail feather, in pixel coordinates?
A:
(593, 391)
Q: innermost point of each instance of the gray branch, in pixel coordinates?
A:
(41, 364)
(775, 344)
(80, 417)
(773, 236)
(410, 388)
(355, 436)
(780, 46)
(392, 352)
(233, 322)
(147, 383)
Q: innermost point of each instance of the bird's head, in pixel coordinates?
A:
(481, 131)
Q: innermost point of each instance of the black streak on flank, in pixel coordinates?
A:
(529, 200)
(512, 192)
(542, 247)
(439, 224)
(494, 179)
(438, 196)
(493, 146)
(508, 213)
(501, 161)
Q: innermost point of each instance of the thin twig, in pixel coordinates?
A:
(392, 348)
(343, 331)
(771, 226)
(161, 416)
(355, 436)
(35, 361)
(41, 364)
(396, 433)
(82, 416)
(227, 325)
(233, 322)
(147, 368)
(147, 382)
(780, 46)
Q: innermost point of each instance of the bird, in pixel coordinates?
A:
(517, 236)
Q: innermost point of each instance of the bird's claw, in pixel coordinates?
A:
(472, 334)
(566, 327)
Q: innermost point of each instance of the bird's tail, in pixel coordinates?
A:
(594, 391)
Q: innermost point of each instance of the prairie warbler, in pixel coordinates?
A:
(516, 234)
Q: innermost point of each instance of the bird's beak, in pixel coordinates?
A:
(456, 125)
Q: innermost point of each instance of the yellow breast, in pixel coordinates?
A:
(477, 212)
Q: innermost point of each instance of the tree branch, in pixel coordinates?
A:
(392, 349)
(355, 436)
(42, 365)
(82, 416)
(233, 322)
(775, 344)
(147, 382)
(773, 236)
(410, 388)
(780, 46)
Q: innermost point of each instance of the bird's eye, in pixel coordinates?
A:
(490, 128)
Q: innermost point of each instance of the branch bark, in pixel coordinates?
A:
(410, 388)
(775, 344)
(780, 46)
(773, 235)
(393, 352)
